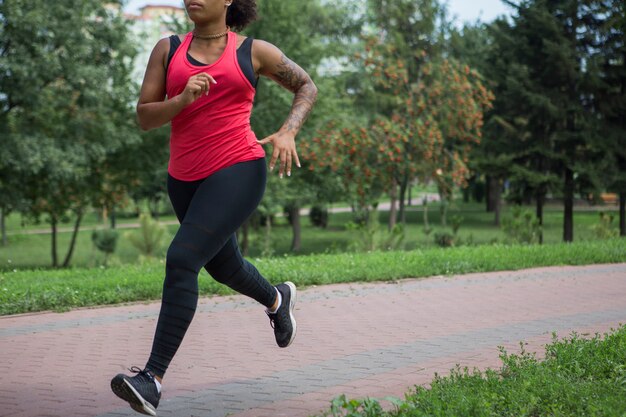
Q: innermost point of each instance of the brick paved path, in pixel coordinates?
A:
(362, 340)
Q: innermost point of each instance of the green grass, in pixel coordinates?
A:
(35, 290)
(34, 251)
(578, 377)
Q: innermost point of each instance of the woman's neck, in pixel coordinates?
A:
(210, 29)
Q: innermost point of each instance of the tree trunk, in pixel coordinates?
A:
(468, 190)
(393, 209)
(403, 187)
(409, 197)
(568, 203)
(488, 200)
(55, 258)
(3, 226)
(426, 225)
(113, 220)
(443, 209)
(539, 214)
(622, 163)
(497, 201)
(294, 213)
(622, 213)
(267, 245)
(153, 204)
(70, 251)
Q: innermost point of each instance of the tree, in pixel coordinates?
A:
(544, 108)
(350, 152)
(609, 58)
(405, 34)
(65, 106)
(437, 116)
(509, 150)
(315, 35)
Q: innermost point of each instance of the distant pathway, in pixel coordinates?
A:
(304, 212)
(362, 340)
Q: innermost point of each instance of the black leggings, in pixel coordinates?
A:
(210, 211)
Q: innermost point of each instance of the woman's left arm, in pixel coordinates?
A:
(269, 61)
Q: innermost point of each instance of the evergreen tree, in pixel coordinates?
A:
(608, 56)
(544, 102)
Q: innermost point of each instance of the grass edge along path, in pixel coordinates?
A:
(39, 290)
(578, 377)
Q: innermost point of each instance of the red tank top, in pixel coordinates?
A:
(213, 132)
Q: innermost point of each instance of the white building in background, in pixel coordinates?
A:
(150, 25)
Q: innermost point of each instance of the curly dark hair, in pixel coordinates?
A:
(241, 13)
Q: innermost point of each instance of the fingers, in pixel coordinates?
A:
(283, 163)
(288, 163)
(265, 141)
(201, 83)
(295, 155)
(284, 154)
(275, 155)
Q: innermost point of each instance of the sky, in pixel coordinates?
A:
(463, 10)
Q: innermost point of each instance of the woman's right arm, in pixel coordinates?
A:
(152, 109)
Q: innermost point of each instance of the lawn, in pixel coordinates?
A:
(34, 251)
(35, 290)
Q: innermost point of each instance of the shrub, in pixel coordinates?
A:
(456, 221)
(605, 229)
(319, 216)
(105, 241)
(373, 236)
(522, 227)
(579, 377)
(148, 239)
(444, 239)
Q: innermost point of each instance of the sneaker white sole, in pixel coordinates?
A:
(292, 303)
(128, 393)
(141, 406)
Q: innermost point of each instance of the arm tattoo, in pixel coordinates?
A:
(294, 79)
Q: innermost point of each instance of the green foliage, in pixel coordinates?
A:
(605, 229)
(319, 216)
(445, 239)
(422, 112)
(105, 240)
(65, 106)
(456, 221)
(522, 226)
(578, 377)
(149, 237)
(372, 236)
(342, 407)
(557, 70)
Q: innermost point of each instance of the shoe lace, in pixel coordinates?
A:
(272, 317)
(144, 372)
(277, 318)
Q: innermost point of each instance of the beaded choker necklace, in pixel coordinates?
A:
(209, 37)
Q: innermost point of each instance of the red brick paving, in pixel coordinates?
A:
(362, 340)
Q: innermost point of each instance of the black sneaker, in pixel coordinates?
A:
(283, 322)
(140, 390)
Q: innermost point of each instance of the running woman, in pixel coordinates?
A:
(216, 171)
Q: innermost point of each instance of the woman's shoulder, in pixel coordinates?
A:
(262, 48)
(168, 40)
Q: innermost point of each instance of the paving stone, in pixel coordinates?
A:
(373, 339)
